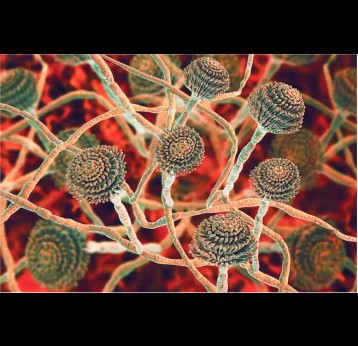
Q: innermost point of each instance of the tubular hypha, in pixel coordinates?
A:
(19, 88)
(277, 108)
(56, 255)
(145, 63)
(317, 257)
(72, 59)
(296, 59)
(97, 176)
(272, 180)
(62, 161)
(223, 240)
(206, 78)
(178, 151)
(295, 148)
(345, 99)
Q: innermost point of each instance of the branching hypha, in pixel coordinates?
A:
(58, 252)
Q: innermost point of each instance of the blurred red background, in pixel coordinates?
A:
(326, 199)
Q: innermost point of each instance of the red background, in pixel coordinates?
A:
(326, 199)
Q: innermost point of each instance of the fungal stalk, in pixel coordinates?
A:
(206, 78)
(277, 108)
(97, 176)
(168, 182)
(225, 241)
(272, 180)
(127, 223)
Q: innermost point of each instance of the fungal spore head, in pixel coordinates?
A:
(276, 179)
(56, 255)
(277, 107)
(179, 151)
(96, 174)
(206, 78)
(223, 240)
(18, 88)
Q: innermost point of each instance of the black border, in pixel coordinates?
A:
(260, 28)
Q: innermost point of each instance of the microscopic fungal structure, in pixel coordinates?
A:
(178, 173)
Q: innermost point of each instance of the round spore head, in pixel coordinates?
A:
(277, 107)
(179, 151)
(223, 240)
(96, 174)
(146, 64)
(303, 148)
(317, 257)
(62, 161)
(276, 179)
(345, 90)
(206, 78)
(18, 88)
(72, 59)
(56, 255)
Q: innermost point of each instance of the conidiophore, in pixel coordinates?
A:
(277, 108)
(223, 240)
(273, 180)
(177, 151)
(345, 90)
(63, 160)
(345, 99)
(56, 255)
(145, 63)
(317, 256)
(231, 63)
(303, 148)
(206, 78)
(19, 88)
(276, 179)
(96, 174)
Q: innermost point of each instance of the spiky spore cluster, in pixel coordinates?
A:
(56, 255)
(231, 63)
(72, 59)
(96, 174)
(276, 179)
(223, 240)
(18, 88)
(303, 148)
(317, 257)
(277, 107)
(179, 150)
(145, 63)
(206, 78)
(63, 160)
(297, 59)
(345, 90)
